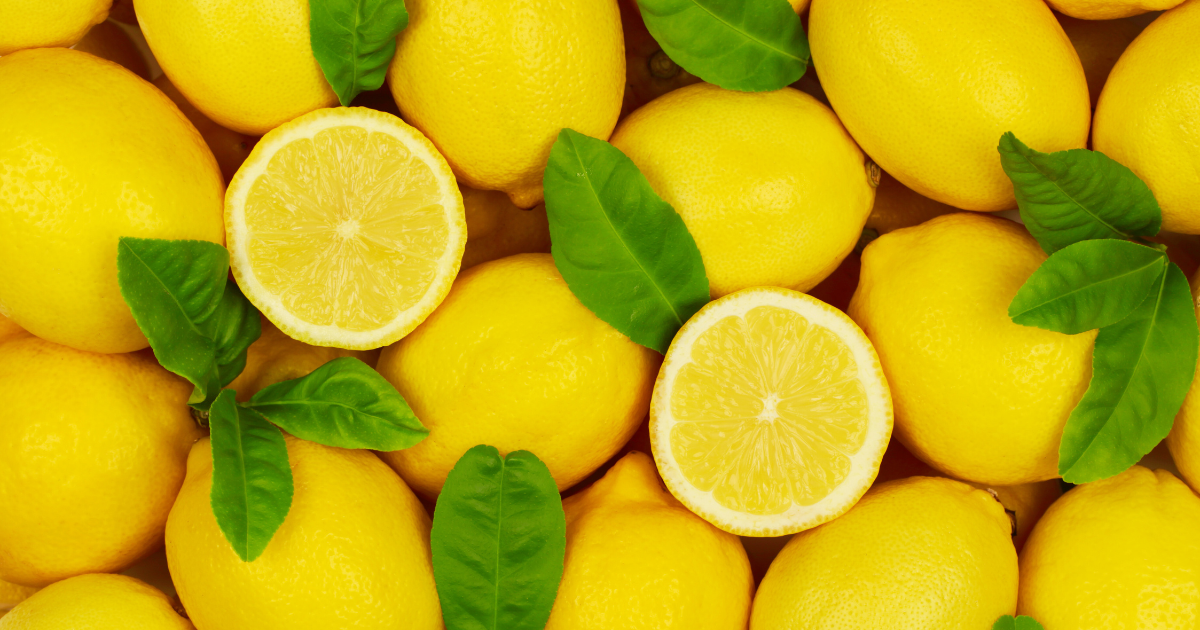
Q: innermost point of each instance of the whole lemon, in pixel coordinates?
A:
(247, 64)
(637, 558)
(96, 602)
(1148, 117)
(42, 23)
(493, 83)
(1099, 44)
(108, 41)
(1109, 9)
(922, 553)
(89, 153)
(1119, 553)
(354, 549)
(770, 185)
(1184, 440)
(511, 358)
(496, 228)
(276, 357)
(927, 87)
(975, 395)
(92, 453)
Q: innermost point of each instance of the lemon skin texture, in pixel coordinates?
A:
(96, 602)
(1109, 9)
(10, 330)
(46, 23)
(511, 358)
(13, 594)
(922, 553)
(975, 395)
(247, 64)
(229, 147)
(354, 546)
(1184, 439)
(1148, 117)
(770, 185)
(493, 83)
(92, 453)
(89, 153)
(276, 357)
(1120, 554)
(637, 558)
(930, 110)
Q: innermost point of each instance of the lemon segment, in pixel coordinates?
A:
(770, 414)
(345, 228)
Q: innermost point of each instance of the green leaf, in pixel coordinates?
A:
(499, 539)
(1077, 195)
(343, 403)
(1142, 368)
(354, 41)
(1007, 622)
(1088, 285)
(252, 481)
(173, 289)
(625, 252)
(747, 45)
(233, 328)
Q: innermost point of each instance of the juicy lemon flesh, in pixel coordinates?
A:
(768, 413)
(346, 228)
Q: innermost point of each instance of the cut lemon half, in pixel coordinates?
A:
(771, 413)
(345, 227)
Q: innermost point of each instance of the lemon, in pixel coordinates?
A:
(247, 64)
(96, 602)
(770, 185)
(10, 330)
(930, 111)
(354, 549)
(89, 152)
(1109, 9)
(228, 146)
(1147, 115)
(1184, 440)
(13, 594)
(345, 228)
(276, 357)
(108, 41)
(493, 83)
(92, 453)
(636, 558)
(976, 396)
(1119, 553)
(496, 228)
(898, 206)
(799, 5)
(42, 23)
(514, 360)
(1099, 44)
(770, 414)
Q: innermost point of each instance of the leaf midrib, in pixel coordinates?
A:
(167, 289)
(499, 529)
(744, 34)
(1062, 296)
(1072, 198)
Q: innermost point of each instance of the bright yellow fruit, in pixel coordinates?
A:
(13, 594)
(514, 360)
(92, 453)
(976, 396)
(1109, 9)
(43, 23)
(354, 549)
(108, 41)
(770, 185)
(1148, 117)
(228, 146)
(927, 87)
(1119, 554)
(493, 83)
(9, 329)
(345, 228)
(770, 414)
(922, 553)
(799, 5)
(637, 559)
(96, 602)
(276, 357)
(898, 206)
(1184, 440)
(247, 64)
(1099, 44)
(89, 152)
(497, 228)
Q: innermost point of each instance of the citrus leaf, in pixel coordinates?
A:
(252, 481)
(1008, 622)
(354, 42)
(343, 403)
(499, 539)
(1088, 285)
(1142, 368)
(234, 326)
(747, 45)
(625, 252)
(1077, 195)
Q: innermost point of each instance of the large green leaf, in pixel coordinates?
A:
(234, 326)
(354, 42)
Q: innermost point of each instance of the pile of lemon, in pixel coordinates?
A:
(412, 234)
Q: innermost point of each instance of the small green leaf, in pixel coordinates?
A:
(343, 403)
(1077, 195)
(354, 42)
(625, 252)
(499, 540)
(1142, 368)
(233, 328)
(747, 45)
(1088, 285)
(252, 481)
(1007, 622)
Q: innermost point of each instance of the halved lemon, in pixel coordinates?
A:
(771, 413)
(345, 227)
